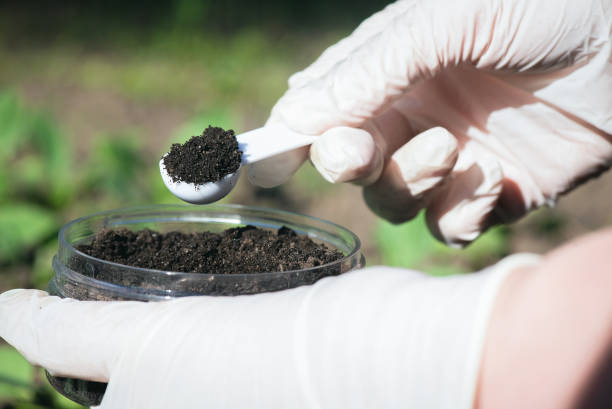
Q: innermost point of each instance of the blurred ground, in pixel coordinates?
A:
(90, 94)
(86, 111)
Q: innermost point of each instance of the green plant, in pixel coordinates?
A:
(24, 386)
(34, 175)
(114, 169)
(23, 226)
(15, 375)
(411, 245)
(35, 157)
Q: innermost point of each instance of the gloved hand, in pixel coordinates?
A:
(478, 111)
(366, 339)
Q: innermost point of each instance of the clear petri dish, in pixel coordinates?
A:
(82, 277)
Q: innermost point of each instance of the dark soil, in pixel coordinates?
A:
(205, 158)
(237, 250)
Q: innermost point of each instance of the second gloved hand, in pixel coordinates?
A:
(477, 111)
(365, 339)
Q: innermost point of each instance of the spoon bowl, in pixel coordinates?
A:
(256, 145)
(199, 194)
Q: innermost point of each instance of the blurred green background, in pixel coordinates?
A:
(91, 95)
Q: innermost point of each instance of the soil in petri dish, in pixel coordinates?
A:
(205, 158)
(238, 250)
(241, 250)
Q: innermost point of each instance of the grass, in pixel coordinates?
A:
(201, 72)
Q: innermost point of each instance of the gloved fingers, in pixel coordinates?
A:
(459, 211)
(341, 154)
(349, 87)
(411, 175)
(360, 78)
(334, 54)
(68, 337)
(368, 79)
(390, 130)
(344, 154)
(510, 206)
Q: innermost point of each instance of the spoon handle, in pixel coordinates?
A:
(270, 140)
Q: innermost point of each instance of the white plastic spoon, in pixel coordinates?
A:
(258, 144)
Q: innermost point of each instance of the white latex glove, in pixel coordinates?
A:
(374, 338)
(477, 110)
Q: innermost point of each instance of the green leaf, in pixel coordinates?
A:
(493, 245)
(23, 226)
(29, 405)
(17, 383)
(115, 168)
(42, 272)
(411, 245)
(15, 375)
(407, 245)
(61, 402)
(53, 398)
(35, 156)
(52, 149)
(4, 185)
(13, 125)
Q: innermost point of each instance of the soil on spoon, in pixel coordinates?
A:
(238, 250)
(205, 158)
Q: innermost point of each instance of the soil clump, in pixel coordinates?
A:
(238, 250)
(205, 158)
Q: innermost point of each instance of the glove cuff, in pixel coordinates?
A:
(398, 338)
(497, 275)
